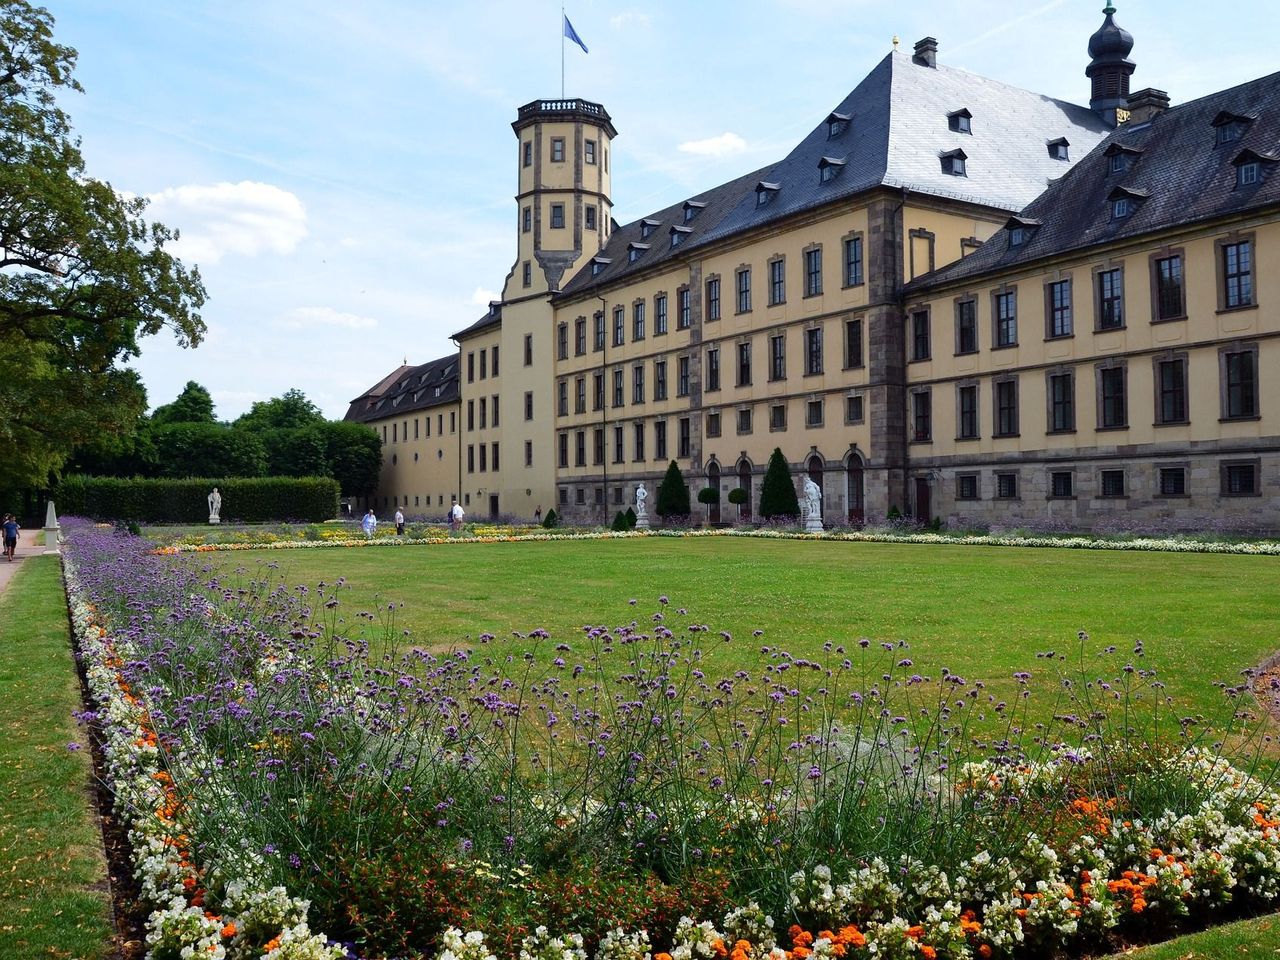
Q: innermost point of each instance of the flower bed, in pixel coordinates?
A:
(617, 795)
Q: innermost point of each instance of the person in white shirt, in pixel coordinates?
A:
(399, 523)
(369, 524)
(455, 516)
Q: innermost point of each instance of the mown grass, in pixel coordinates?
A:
(981, 611)
(1247, 938)
(53, 901)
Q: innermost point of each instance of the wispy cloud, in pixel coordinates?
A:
(305, 318)
(245, 218)
(482, 297)
(630, 19)
(725, 145)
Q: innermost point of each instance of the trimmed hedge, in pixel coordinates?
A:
(244, 499)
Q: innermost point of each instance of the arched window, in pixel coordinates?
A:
(744, 483)
(713, 481)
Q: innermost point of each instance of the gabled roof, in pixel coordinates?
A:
(407, 390)
(491, 319)
(1180, 179)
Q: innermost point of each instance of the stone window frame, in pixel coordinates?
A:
(974, 476)
(579, 395)
(557, 146)
(1224, 470)
(589, 152)
(619, 325)
(564, 496)
(589, 221)
(526, 220)
(599, 331)
(738, 379)
(931, 244)
(1112, 363)
(1236, 347)
(637, 441)
(660, 385)
(809, 422)
(684, 376)
(744, 418)
(957, 303)
(526, 153)
(661, 318)
(1103, 474)
(619, 444)
(1169, 356)
(1049, 283)
(713, 426)
(1070, 473)
(1010, 290)
(684, 307)
(1220, 266)
(912, 314)
(637, 383)
(715, 368)
(848, 324)
(778, 424)
(598, 390)
(1184, 467)
(995, 406)
(774, 357)
(774, 261)
(711, 315)
(913, 435)
(618, 376)
(861, 260)
(1017, 485)
(742, 294)
(638, 319)
(1153, 268)
(580, 337)
(526, 274)
(562, 401)
(1097, 272)
(848, 418)
(804, 259)
(974, 384)
(1061, 370)
(580, 448)
(551, 221)
(810, 328)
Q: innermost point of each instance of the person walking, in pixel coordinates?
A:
(10, 528)
(537, 514)
(456, 513)
(369, 524)
(399, 523)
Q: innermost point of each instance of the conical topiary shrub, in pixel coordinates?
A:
(673, 495)
(778, 492)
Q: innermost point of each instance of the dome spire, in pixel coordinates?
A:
(1109, 67)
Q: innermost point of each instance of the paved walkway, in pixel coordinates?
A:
(26, 548)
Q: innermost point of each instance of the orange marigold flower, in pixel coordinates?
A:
(928, 952)
(801, 938)
(916, 932)
(229, 930)
(984, 951)
(718, 947)
(275, 942)
(799, 953)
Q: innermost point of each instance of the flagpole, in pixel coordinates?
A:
(561, 51)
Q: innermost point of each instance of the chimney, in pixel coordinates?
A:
(926, 53)
(1147, 105)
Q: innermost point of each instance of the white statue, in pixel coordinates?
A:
(641, 496)
(215, 506)
(812, 506)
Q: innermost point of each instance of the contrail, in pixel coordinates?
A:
(995, 31)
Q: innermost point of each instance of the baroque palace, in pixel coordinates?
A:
(953, 297)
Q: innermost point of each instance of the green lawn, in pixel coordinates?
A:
(981, 611)
(1248, 938)
(53, 900)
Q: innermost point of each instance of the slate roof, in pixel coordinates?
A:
(1178, 175)
(490, 319)
(408, 389)
(897, 132)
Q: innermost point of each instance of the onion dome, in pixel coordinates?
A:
(1111, 42)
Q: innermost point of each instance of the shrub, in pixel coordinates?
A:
(248, 499)
(551, 521)
(620, 524)
(778, 493)
(708, 495)
(894, 513)
(673, 495)
(631, 518)
(737, 496)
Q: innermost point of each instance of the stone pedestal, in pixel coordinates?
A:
(213, 519)
(813, 525)
(52, 531)
(642, 523)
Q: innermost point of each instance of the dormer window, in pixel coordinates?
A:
(837, 123)
(1251, 166)
(765, 191)
(635, 251)
(829, 168)
(678, 234)
(1020, 230)
(692, 209)
(647, 227)
(1058, 149)
(1120, 158)
(953, 163)
(1230, 127)
(598, 264)
(960, 121)
(1247, 174)
(1124, 203)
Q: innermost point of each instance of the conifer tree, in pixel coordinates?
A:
(673, 495)
(778, 493)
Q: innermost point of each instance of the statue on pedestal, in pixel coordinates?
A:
(812, 506)
(642, 514)
(215, 506)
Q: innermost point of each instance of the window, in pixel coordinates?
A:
(1240, 479)
(1059, 149)
(597, 391)
(953, 162)
(528, 404)
(564, 496)
(778, 416)
(813, 351)
(713, 424)
(1247, 174)
(598, 323)
(852, 344)
(1121, 207)
(1061, 484)
(637, 444)
(484, 364)
(1170, 302)
(777, 282)
(1239, 384)
(744, 421)
(1006, 395)
(713, 369)
(526, 219)
(580, 336)
(471, 367)
(494, 354)
(1119, 162)
(966, 326)
(1007, 486)
(564, 450)
(660, 440)
(557, 216)
(580, 395)
(562, 341)
(659, 379)
(1006, 319)
(1111, 483)
(660, 315)
(777, 358)
(618, 453)
(589, 215)
(682, 376)
(528, 453)
(966, 486)
(958, 122)
(557, 149)
(853, 409)
(1058, 300)
(637, 383)
(1171, 391)
(837, 123)
(1173, 481)
(1062, 402)
(619, 326)
(1237, 274)
(691, 208)
(597, 446)
(1113, 410)
(713, 298)
(921, 410)
(967, 412)
(813, 413)
(589, 151)
(813, 272)
(637, 321)
(744, 364)
(853, 261)
(527, 274)
(1110, 299)
(528, 349)
(618, 397)
(744, 290)
(1017, 236)
(483, 458)
(685, 306)
(686, 441)
(920, 335)
(471, 458)
(562, 401)
(484, 406)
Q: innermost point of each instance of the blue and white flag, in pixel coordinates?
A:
(572, 34)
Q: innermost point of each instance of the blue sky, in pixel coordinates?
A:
(343, 173)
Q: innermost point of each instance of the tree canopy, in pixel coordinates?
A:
(83, 274)
(778, 492)
(193, 405)
(673, 494)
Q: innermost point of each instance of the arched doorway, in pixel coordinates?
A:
(744, 483)
(815, 474)
(856, 491)
(713, 481)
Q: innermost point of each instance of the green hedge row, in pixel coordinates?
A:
(244, 499)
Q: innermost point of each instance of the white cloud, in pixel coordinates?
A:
(629, 18)
(482, 297)
(306, 318)
(246, 218)
(724, 145)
